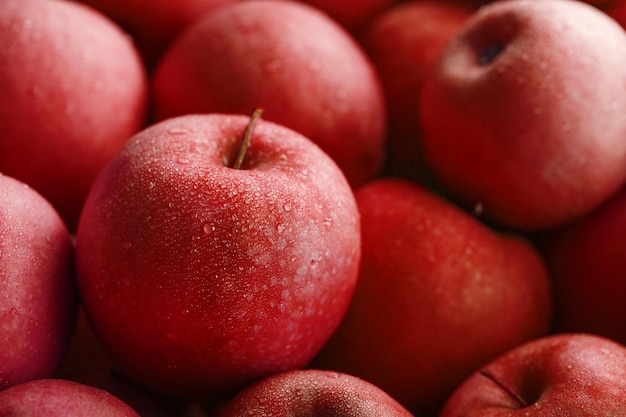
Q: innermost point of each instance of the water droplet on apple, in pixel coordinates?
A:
(280, 228)
(177, 131)
(182, 160)
(328, 222)
(287, 207)
(208, 228)
(127, 245)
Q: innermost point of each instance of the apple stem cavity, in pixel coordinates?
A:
(486, 372)
(245, 142)
(489, 53)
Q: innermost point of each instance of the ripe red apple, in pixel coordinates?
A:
(73, 90)
(199, 277)
(570, 374)
(292, 60)
(313, 393)
(404, 42)
(61, 398)
(438, 295)
(37, 295)
(587, 264)
(524, 114)
(156, 23)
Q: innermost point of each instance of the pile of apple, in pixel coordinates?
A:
(312, 208)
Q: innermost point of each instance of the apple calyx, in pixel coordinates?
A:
(486, 372)
(245, 142)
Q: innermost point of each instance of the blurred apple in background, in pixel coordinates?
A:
(290, 59)
(61, 398)
(438, 295)
(37, 294)
(199, 277)
(404, 42)
(155, 24)
(313, 393)
(353, 15)
(73, 90)
(524, 115)
(563, 375)
(587, 265)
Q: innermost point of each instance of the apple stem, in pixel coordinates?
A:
(486, 372)
(245, 142)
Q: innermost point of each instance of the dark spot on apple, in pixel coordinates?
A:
(488, 53)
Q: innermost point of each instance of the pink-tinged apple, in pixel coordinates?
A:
(587, 264)
(404, 42)
(568, 374)
(524, 115)
(313, 393)
(156, 23)
(292, 60)
(438, 295)
(201, 271)
(61, 398)
(37, 294)
(73, 90)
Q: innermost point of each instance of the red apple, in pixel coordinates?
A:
(438, 295)
(313, 393)
(199, 277)
(37, 295)
(572, 374)
(61, 398)
(354, 15)
(524, 114)
(404, 42)
(290, 59)
(587, 265)
(155, 24)
(73, 90)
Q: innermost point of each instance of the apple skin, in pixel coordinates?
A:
(37, 295)
(155, 24)
(73, 90)
(290, 59)
(353, 15)
(438, 295)
(61, 398)
(517, 122)
(568, 374)
(199, 278)
(586, 263)
(313, 393)
(404, 42)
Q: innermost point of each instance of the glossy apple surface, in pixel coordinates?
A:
(568, 374)
(200, 278)
(313, 393)
(61, 398)
(37, 295)
(73, 90)
(290, 59)
(438, 294)
(516, 121)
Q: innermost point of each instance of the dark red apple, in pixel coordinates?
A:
(61, 398)
(438, 295)
(573, 374)
(404, 42)
(524, 115)
(73, 89)
(37, 294)
(155, 24)
(587, 266)
(313, 393)
(199, 277)
(354, 15)
(292, 60)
